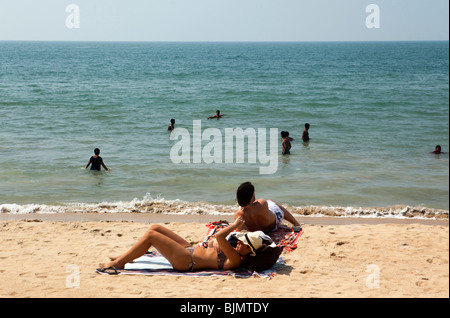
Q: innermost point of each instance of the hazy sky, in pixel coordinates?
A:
(223, 20)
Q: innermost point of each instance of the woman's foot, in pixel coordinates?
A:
(113, 264)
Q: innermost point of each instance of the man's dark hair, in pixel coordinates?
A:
(245, 193)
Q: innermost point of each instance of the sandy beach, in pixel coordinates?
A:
(45, 257)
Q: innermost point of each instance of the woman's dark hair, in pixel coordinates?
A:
(245, 193)
(266, 256)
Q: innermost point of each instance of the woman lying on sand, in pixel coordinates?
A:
(185, 257)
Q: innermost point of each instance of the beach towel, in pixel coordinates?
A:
(153, 263)
(284, 236)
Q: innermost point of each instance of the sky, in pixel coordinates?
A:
(224, 20)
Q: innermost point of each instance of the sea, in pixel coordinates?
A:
(376, 110)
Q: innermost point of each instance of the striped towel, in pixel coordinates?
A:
(153, 263)
(285, 236)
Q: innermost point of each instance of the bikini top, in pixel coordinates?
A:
(221, 257)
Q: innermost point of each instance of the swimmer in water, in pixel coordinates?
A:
(305, 135)
(217, 115)
(286, 143)
(172, 125)
(96, 161)
(437, 150)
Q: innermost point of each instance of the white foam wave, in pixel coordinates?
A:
(147, 205)
(398, 211)
(160, 205)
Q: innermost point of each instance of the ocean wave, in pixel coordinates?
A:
(146, 205)
(398, 211)
(162, 206)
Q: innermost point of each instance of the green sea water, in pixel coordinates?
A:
(376, 112)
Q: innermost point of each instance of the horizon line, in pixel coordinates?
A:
(228, 41)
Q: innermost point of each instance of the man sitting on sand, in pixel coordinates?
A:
(261, 215)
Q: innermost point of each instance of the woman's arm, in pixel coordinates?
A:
(229, 251)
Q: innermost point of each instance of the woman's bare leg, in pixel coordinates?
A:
(171, 234)
(169, 244)
(166, 232)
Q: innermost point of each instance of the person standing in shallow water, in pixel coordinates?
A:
(286, 143)
(96, 161)
(172, 125)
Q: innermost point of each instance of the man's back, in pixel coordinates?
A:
(257, 216)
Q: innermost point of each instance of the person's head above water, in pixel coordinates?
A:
(438, 150)
(96, 151)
